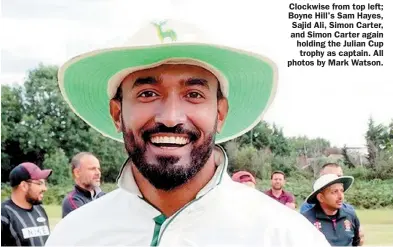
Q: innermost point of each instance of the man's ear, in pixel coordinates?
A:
(24, 186)
(76, 172)
(320, 197)
(222, 113)
(115, 110)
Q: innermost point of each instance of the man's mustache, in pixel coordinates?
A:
(192, 134)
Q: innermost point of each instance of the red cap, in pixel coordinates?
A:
(243, 176)
(26, 171)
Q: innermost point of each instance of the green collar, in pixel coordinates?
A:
(126, 181)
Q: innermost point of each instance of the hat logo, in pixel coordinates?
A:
(162, 34)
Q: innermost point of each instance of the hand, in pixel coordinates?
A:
(290, 205)
(361, 236)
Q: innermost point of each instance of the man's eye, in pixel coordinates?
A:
(194, 95)
(148, 94)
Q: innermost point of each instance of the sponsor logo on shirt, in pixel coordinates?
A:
(37, 231)
(41, 219)
(347, 225)
(318, 225)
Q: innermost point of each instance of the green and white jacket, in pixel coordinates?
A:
(224, 213)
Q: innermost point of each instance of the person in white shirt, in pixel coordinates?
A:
(172, 104)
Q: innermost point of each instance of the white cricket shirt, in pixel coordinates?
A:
(224, 213)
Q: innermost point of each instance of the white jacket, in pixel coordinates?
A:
(224, 213)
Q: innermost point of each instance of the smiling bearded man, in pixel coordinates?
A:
(168, 103)
(169, 148)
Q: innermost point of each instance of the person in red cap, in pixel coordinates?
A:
(24, 221)
(244, 177)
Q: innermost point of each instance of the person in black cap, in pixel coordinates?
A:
(24, 221)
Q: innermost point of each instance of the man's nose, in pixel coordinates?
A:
(171, 112)
(341, 195)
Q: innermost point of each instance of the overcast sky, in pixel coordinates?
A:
(333, 103)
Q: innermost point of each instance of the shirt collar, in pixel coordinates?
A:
(87, 193)
(126, 181)
(270, 192)
(320, 214)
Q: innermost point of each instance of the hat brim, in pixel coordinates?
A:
(347, 182)
(43, 174)
(252, 81)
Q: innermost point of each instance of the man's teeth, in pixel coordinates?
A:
(170, 140)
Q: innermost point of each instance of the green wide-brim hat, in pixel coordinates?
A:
(249, 80)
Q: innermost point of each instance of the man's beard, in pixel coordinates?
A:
(90, 185)
(166, 175)
(277, 187)
(32, 200)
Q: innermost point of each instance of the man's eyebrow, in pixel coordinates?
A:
(196, 81)
(144, 81)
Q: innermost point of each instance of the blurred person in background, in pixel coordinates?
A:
(278, 193)
(24, 221)
(86, 172)
(339, 225)
(245, 178)
(333, 168)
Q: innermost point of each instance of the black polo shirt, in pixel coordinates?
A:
(23, 227)
(341, 229)
(77, 198)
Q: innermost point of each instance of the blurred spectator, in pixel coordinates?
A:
(86, 172)
(277, 193)
(244, 177)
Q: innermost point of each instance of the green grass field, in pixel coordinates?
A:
(377, 224)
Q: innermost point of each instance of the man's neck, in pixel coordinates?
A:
(87, 188)
(328, 210)
(276, 193)
(21, 202)
(169, 202)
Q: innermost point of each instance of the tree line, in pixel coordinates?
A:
(38, 126)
